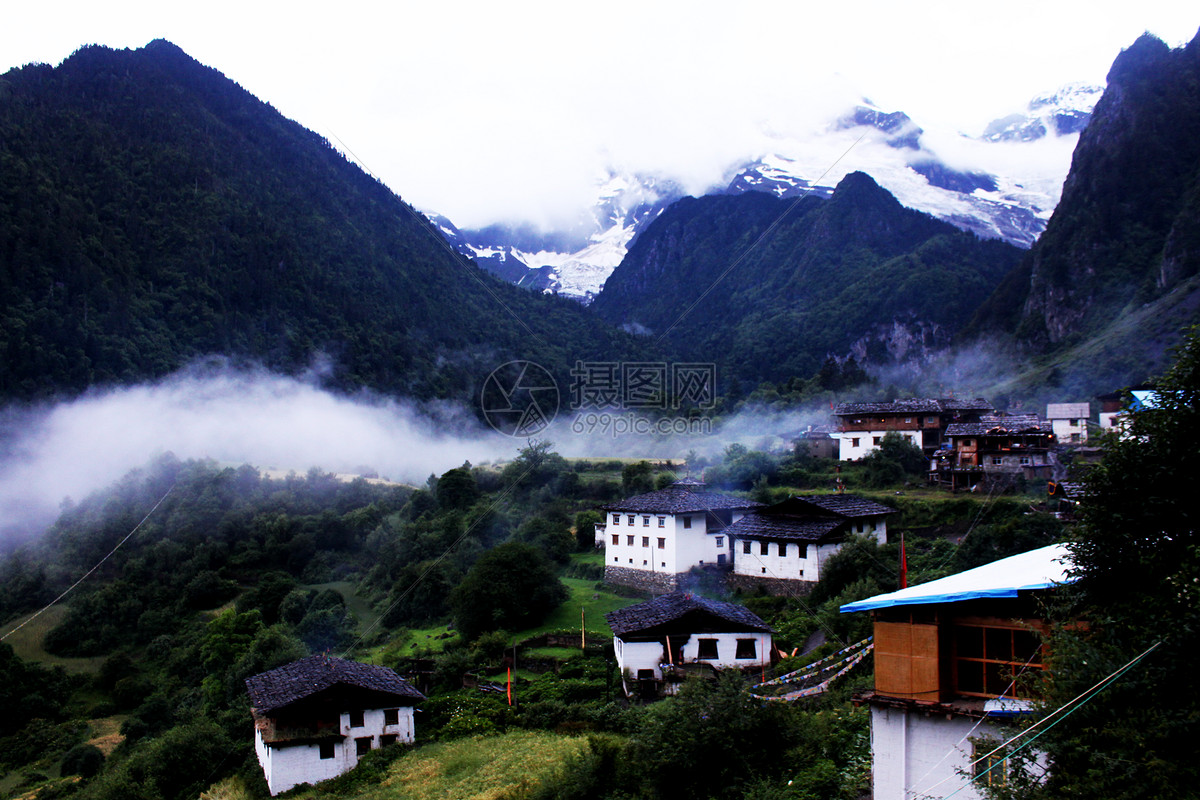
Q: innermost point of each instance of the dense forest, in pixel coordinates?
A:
(153, 212)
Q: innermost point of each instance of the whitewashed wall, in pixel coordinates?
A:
(288, 766)
(923, 755)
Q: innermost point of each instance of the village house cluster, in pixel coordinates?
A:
(954, 658)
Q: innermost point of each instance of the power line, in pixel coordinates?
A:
(93, 569)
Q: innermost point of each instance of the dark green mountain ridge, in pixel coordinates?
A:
(153, 212)
(771, 287)
(1103, 294)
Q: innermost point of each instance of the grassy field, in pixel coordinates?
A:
(479, 768)
(27, 642)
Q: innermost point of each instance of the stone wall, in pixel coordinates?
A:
(774, 586)
(655, 582)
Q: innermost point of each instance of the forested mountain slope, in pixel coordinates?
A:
(771, 287)
(1114, 277)
(152, 211)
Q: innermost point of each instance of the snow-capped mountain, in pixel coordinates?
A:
(1003, 184)
(572, 263)
(1059, 113)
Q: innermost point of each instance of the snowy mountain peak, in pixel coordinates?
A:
(1062, 112)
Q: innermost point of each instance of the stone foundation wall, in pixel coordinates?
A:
(774, 586)
(655, 582)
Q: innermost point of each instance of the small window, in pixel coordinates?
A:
(763, 547)
(931, 420)
(615, 558)
(388, 739)
(645, 541)
(707, 649)
(908, 420)
(616, 538)
(356, 719)
(326, 750)
(629, 541)
(991, 768)
(720, 541)
(854, 442)
(997, 460)
(876, 440)
(645, 521)
(664, 564)
(783, 549)
(662, 522)
(746, 548)
(746, 649)
(630, 520)
(802, 551)
(662, 543)
(616, 519)
(391, 716)
(362, 745)
(645, 562)
(1024, 459)
(687, 522)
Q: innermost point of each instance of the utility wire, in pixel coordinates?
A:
(1070, 707)
(93, 569)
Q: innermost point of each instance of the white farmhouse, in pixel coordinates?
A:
(658, 642)
(652, 539)
(953, 658)
(776, 546)
(1069, 421)
(314, 718)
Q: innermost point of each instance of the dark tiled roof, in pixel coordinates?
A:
(670, 607)
(1000, 426)
(756, 525)
(676, 499)
(843, 505)
(924, 405)
(913, 406)
(285, 685)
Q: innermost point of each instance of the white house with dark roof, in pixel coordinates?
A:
(314, 718)
(651, 539)
(953, 659)
(922, 421)
(1069, 421)
(659, 642)
(791, 540)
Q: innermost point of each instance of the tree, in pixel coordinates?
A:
(1137, 570)
(512, 586)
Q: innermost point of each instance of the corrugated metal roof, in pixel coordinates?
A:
(1037, 569)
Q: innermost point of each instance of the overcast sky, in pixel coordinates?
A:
(488, 110)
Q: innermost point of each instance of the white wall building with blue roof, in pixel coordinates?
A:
(953, 659)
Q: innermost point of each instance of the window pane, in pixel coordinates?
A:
(969, 642)
(998, 644)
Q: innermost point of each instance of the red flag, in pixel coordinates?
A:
(903, 564)
(510, 686)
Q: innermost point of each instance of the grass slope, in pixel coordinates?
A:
(478, 768)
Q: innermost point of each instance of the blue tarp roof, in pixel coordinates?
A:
(1037, 569)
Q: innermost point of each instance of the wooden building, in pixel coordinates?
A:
(922, 421)
(952, 658)
(996, 448)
